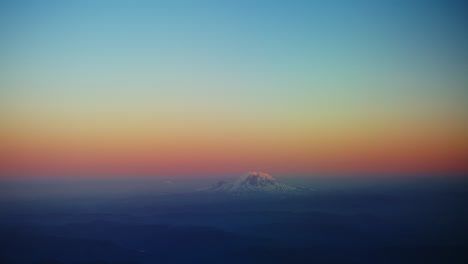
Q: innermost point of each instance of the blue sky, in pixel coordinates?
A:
(294, 65)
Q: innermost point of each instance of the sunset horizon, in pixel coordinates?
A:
(227, 132)
(228, 88)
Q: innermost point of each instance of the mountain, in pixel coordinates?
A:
(253, 182)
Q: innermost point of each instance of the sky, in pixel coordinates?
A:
(224, 87)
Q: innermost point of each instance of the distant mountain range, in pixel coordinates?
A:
(253, 183)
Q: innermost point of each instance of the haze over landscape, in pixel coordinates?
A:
(247, 131)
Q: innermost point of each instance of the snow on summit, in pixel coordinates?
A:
(253, 182)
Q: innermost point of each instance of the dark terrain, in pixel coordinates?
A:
(384, 224)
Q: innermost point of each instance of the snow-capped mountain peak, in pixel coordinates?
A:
(252, 182)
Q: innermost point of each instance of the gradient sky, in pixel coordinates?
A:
(220, 87)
